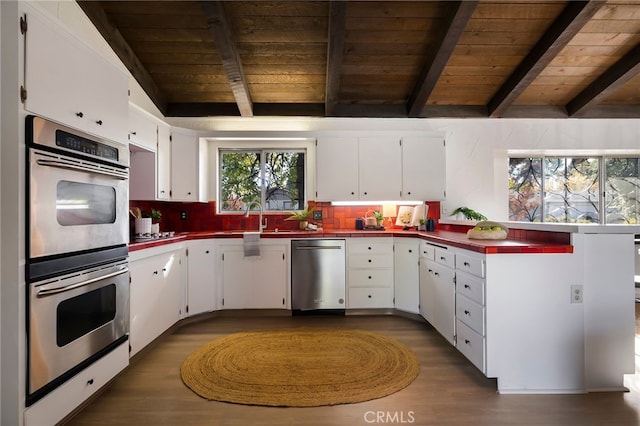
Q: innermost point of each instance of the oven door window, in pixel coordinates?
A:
(85, 203)
(82, 314)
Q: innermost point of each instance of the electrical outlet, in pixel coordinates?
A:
(576, 293)
(317, 215)
(183, 215)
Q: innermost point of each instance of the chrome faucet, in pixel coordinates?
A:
(261, 227)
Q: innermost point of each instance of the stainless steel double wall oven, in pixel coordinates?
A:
(77, 257)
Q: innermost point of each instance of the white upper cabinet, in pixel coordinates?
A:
(69, 83)
(337, 169)
(351, 168)
(163, 162)
(143, 128)
(379, 168)
(188, 166)
(423, 168)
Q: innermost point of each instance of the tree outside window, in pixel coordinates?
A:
(274, 178)
(568, 189)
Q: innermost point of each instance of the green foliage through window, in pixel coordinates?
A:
(575, 189)
(274, 178)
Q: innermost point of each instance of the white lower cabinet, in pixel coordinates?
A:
(470, 308)
(62, 401)
(157, 293)
(201, 285)
(444, 300)
(406, 274)
(254, 282)
(369, 273)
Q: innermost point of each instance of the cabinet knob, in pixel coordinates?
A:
(369, 296)
(409, 192)
(134, 133)
(442, 258)
(368, 248)
(164, 269)
(155, 272)
(467, 312)
(207, 251)
(437, 274)
(369, 260)
(365, 193)
(466, 341)
(353, 193)
(369, 276)
(99, 122)
(162, 191)
(90, 381)
(466, 264)
(410, 251)
(188, 193)
(466, 286)
(79, 114)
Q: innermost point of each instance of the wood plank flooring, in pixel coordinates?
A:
(448, 391)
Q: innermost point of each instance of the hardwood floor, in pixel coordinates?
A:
(448, 391)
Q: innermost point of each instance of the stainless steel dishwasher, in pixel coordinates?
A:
(318, 275)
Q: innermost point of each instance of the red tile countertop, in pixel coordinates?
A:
(450, 238)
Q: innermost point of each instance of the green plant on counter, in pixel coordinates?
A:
(301, 214)
(378, 216)
(469, 213)
(155, 215)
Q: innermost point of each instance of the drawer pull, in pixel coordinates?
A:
(443, 258)
(410, 251)
(466, 341)
(467, 264)
(90, 381)
(466, 286)
(99, 122)
(368, 248)
(79, 114)
(430, 270)
(369, 276)
(467, 312)
(369, 296)
(437, 274)
(155, 272)
(369, 260)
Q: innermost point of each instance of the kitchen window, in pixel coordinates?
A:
(568, 189)
(275, 178)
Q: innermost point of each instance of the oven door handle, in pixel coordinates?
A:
(71, 166)
(50, 291)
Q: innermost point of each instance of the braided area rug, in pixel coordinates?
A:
(300, 367)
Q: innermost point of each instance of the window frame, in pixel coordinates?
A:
(602, 178)
(304, 145)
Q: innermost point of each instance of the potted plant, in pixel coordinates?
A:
(379, 218)
(468, 213)
(422, 225)
(302, 216)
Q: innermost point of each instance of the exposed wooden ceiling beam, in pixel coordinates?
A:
(112, 35)
(335, 48)
(620, 73)
(221, 32)
(460, 15)
(559, 34)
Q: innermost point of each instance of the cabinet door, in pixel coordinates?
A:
(143, 130)
(337, 169)
(163, 162)
(142, 174)
(379, 168)
(144, 302)
(172, 290)
(444, 319)
(201, 294)
(406, 275)
(106, 96)
(53, 72)
(257, 282)
(184, 166)
(423, 168)
(427, 290)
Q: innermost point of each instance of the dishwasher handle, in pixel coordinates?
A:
(318, 247)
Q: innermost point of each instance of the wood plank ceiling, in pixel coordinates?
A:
(493, 58)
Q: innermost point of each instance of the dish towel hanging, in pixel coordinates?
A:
(251, 242)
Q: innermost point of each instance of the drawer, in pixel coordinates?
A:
(60, 402)
(370, 245)
(471, 345)
(366, 298)
(371, 278)
(469, 264)
(371, 261)
(471, 313)
(427, 251)
(445, 257)
(470, 286)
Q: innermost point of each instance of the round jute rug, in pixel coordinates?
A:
(300, 367)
